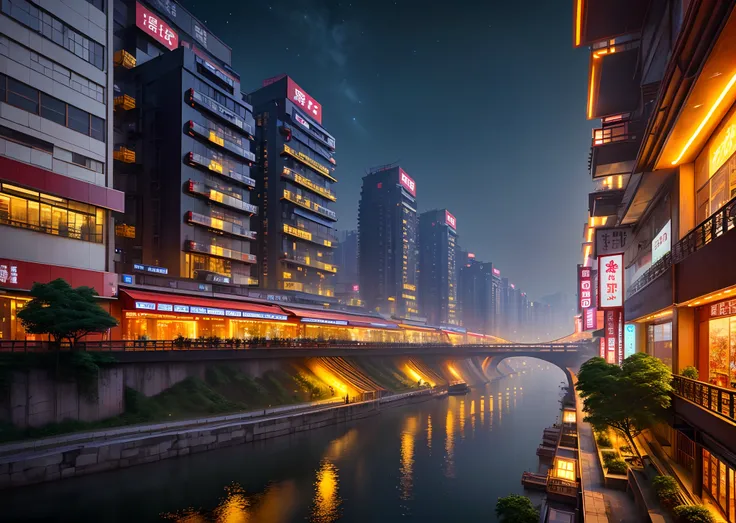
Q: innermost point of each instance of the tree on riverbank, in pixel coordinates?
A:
(630, 398)
(64, 313)
(516, 509)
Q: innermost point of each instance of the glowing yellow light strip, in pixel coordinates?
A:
(592, 88)
(578, 22)
(708, 116)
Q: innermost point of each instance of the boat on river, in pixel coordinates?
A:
(457, 388)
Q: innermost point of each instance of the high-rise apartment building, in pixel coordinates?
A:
(56, 179)
(662, 81)
(387, 235)
(437, 267)
(295, 189)
(347, 284)
(476, 295)
(182, 141)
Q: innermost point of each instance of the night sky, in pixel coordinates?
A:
(483, 103)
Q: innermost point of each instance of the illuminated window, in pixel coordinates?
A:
(565, 469)
(569, 416)
(49, 214)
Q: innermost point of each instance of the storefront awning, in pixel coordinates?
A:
(336, 318)
(181, 304)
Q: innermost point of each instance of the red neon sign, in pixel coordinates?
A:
(450, 220)
(407, 182)
(152, 24)
(300, 97)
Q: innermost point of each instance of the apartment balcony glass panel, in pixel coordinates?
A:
(220, 252)
(220, 225)
(220, 139)
(216, 196)
(219, 110)
(305, 203)
(215, 165)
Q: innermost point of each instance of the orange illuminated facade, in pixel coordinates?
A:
(664, 160)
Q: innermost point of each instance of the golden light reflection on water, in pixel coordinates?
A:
(326, 507)
(450, 444)
(275, 505)
(429, 433)
(462, 419)
(472, 416)
(339, 447)
(407, 457)
(482, 411)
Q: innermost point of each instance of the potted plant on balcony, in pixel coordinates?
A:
(690, 372)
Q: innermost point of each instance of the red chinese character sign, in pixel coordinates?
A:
(452, 222)
(585, 287)
(151, 24)
(590, 315)
(611, 281)
(305, 102)
(407, 182)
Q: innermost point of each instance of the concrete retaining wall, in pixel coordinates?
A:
(35, 398)
(65, 462)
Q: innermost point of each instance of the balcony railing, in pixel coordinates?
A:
(308, 204)
(220, 225)
(718, 400)
(562, 487)
(291, 174)
(123, 58)
(221, 252)
(220, 140)
(123, 154)
(325, 240)
(219, 110)
(309, 262)
(124, 102)
(217, 167)
(718, 224)
(214, 195)
(309, 162)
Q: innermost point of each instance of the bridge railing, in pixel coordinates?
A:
(19, 346)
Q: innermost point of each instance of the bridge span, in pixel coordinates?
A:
(562, 354)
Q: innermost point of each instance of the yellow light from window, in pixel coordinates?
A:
(287, 275)
(578, 22)
(708, 116)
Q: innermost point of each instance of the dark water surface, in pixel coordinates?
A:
(442, 460)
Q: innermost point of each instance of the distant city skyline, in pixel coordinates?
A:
(451, 104)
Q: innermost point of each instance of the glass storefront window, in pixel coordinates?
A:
(718, 481)
(719, 353)
(718, 190)
(659, 342)
(10, 326)
(28, 209)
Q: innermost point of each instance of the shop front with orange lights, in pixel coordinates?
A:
(716, 342)
(326, 325)
(166, 316)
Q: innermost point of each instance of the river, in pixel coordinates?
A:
(441, 460)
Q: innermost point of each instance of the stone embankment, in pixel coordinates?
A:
(36, 462)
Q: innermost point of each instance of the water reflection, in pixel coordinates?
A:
(472, 416)
(429, 433)
(276, 504)
(462, 419)
(449, 444)
(407, 457)
(327, 502)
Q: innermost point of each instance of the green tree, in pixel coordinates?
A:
(64, 313)
(516, 509)
(630, 398)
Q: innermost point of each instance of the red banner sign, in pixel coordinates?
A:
(613, 330)
(451, 220)
(602, 348)
(407, 182)
(585, 287)
(611, 281)
(590, 315)
(300, 97)
(151, 24)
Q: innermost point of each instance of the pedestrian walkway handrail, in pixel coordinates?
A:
(718, 400)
